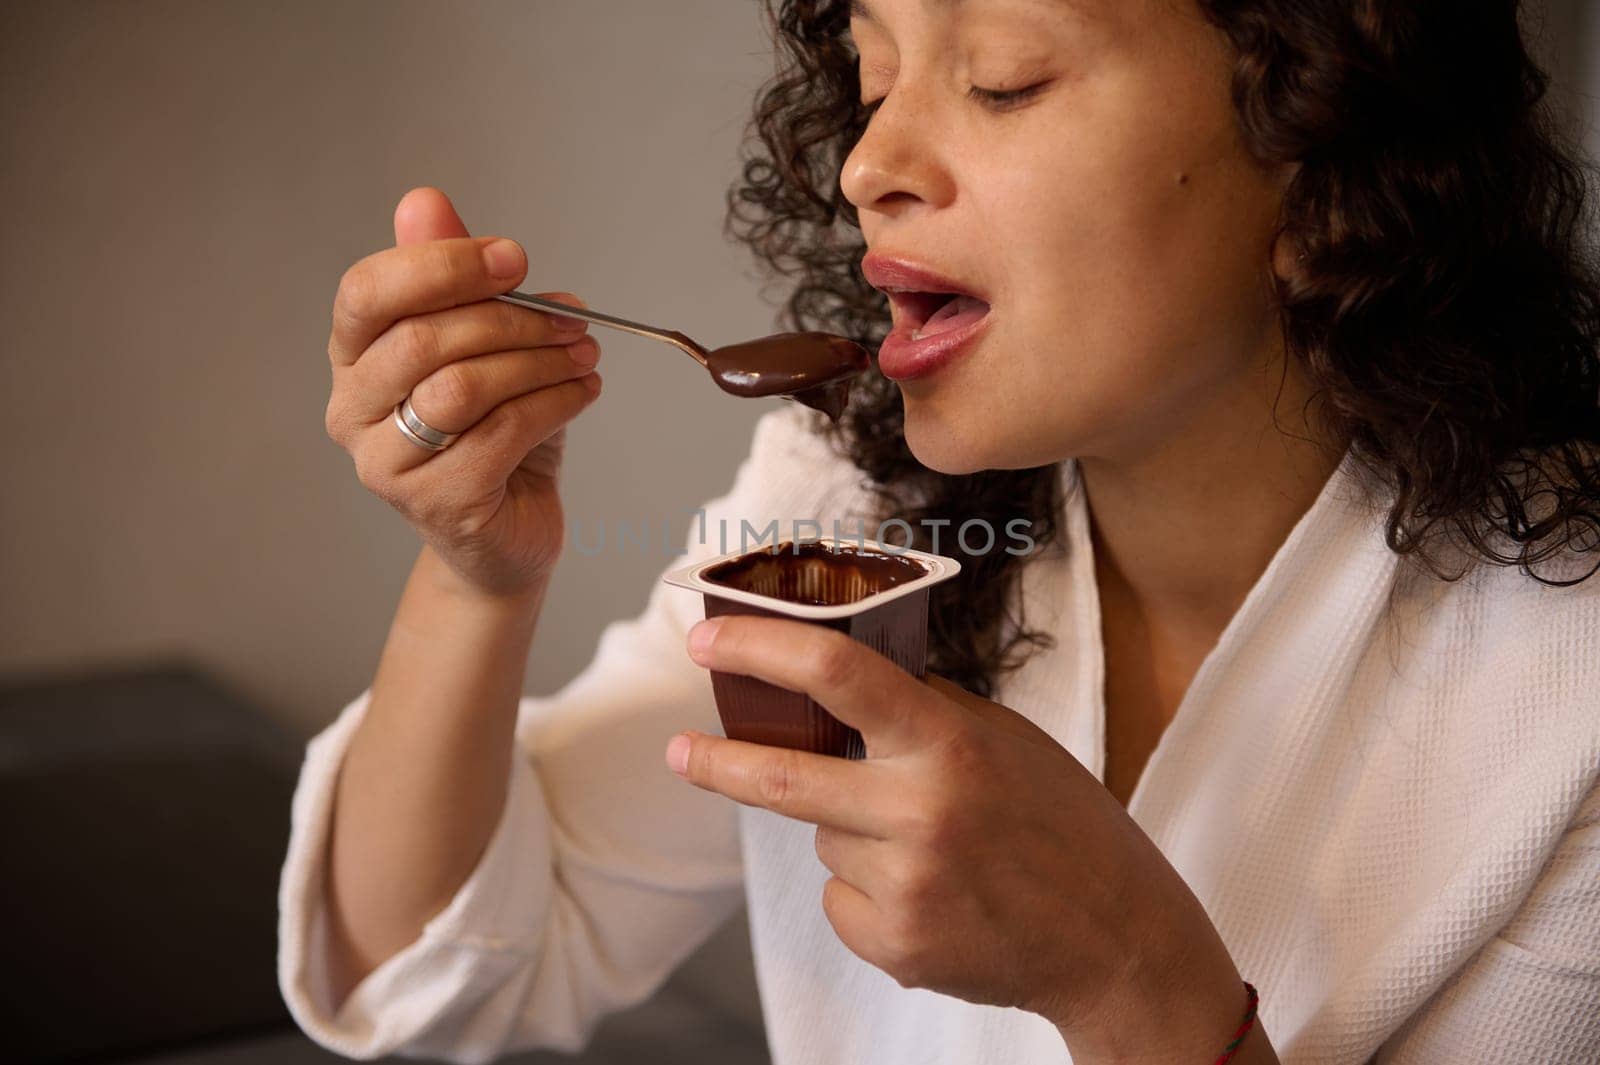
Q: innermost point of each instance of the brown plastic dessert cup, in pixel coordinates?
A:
(874, 592)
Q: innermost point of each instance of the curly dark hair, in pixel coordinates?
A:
(1447, 306)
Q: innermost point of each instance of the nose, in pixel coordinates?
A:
(895, 165)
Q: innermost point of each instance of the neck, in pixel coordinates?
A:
(1184, 525)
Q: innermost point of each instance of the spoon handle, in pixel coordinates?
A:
(676, 339)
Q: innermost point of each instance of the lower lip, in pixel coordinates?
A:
(900, 358)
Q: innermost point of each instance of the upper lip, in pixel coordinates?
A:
(908, 284)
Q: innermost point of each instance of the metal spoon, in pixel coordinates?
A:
(814, 369)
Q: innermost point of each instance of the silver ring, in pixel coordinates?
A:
(418, 431)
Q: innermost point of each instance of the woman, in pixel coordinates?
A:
(1273, 321)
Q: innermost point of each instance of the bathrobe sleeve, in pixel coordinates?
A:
(605, 870)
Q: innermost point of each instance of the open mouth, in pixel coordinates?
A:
(926, 314)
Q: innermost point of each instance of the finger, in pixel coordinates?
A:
(462, 394)
(425, 214)
(415, 279)
(818, 788)
(856, 920)
(458, 396)
(893, 710)
(488, 451)
(856, 859)
(431, 486)
(417, 348)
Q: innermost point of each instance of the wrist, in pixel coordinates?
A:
(1181, 1011)
(450, 616)
(444, 580)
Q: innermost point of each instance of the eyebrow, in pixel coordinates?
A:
(860, 10)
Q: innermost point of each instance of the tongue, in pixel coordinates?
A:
(959, 312)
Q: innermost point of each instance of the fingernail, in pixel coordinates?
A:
(678, 754)
(701, 635)
(503, 258)
(566, 322)
(585, 352)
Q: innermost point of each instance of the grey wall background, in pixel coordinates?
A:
(182, 184)
(185, 182)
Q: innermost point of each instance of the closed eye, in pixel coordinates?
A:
(1004, 99)
(998, 99)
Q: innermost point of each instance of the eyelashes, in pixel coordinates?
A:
(994, 99)
(1005, 99)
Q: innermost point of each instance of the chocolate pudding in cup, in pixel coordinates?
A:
(875, 593)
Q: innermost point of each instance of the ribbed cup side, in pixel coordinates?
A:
(758, 712)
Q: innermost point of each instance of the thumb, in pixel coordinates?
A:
(425, 214)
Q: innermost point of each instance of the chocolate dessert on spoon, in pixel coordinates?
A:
(810, 368)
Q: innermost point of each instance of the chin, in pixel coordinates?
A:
(951, 441)
(953, 435)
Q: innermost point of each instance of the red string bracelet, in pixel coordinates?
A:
(1244, 1026)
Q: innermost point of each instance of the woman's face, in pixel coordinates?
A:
(1109, 215)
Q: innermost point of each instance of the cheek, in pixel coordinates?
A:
(1128, 299)
(1129, 289)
